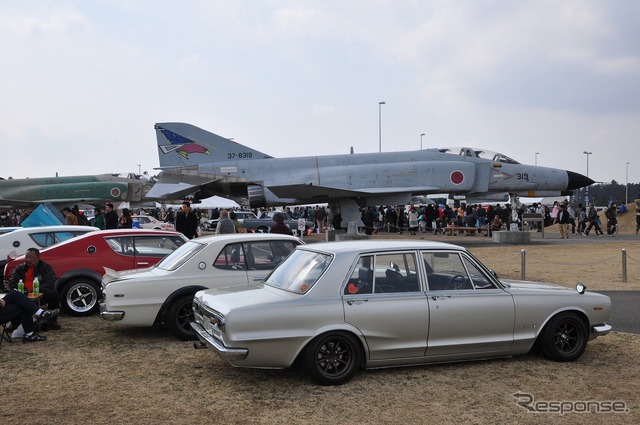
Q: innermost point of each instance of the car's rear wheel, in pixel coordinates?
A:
(179, 316)
(564, 338)
(333, 358)
(80, 296)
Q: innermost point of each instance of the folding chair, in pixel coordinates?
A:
(5, 333)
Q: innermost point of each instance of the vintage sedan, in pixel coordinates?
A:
(344, 306)
(164, 294)
(79, 263)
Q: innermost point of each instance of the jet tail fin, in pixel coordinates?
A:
(183, 145)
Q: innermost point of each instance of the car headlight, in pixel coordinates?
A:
(211, 320)
(217, 323)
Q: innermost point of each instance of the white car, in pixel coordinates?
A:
(16, 242)
(142, 221)
(164, 293)
(210, 225)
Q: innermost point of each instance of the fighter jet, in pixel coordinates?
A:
(70, 190)
(199, 163)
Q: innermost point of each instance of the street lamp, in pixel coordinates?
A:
(421, 136)
(380, 125)
(537, 153)
(139, 169)
(626, 187)
(586, 194)
(587, 153)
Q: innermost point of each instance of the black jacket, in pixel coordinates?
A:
(43, 271)
(187, 224)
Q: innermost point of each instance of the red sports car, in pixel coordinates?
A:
(79, 262)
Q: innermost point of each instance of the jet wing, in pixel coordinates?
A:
(171, 190)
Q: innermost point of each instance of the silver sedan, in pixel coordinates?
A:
(340, 307)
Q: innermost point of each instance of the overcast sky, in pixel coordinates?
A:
(83, 82)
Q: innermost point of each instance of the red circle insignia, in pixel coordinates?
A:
(457, 177)
(115, 192)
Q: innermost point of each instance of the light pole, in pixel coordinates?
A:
(626, 187)
(537, 153)
(380, 125)
(421, 136)
(586, 195)
(139, 169)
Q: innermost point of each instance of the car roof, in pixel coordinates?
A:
(107, 233)
(242, 237)
(56, 228)
(379, 245)
(117, 232)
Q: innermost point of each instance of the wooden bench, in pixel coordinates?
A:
(466, 230)
(483, 231)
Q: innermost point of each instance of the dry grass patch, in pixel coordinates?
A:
(95, 372)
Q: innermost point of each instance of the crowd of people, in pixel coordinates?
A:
(571, 220)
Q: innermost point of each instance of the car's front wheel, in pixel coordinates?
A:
(179, 315)
(80, 296)
(564, 338)
(333, 358)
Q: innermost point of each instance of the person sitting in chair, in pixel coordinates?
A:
(18, 309)
(31, 268)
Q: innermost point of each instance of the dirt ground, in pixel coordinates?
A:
(96, 372)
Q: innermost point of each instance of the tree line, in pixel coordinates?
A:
(605, 193)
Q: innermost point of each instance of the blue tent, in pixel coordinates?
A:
(44, 215)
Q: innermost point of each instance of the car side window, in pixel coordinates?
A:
(43, 240)
(361, 279)
(121, 245)
(268, 254)
(448, 271)
(396, 273)
(231, 257)
(156, 245)
(479, 279)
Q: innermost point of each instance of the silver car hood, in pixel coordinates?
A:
(529, 286)
(224, 300)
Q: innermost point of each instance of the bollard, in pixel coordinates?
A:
(523, 264)
(624, 265)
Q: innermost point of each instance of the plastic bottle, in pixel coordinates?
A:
(21, 286)
(36, 287)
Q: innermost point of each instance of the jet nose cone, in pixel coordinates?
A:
(576, 181)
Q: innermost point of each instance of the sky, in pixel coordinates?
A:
(82, 83)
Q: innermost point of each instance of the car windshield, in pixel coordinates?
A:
(299, 272)
(180, 256)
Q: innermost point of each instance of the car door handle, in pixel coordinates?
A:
(440, 297)
(352, 302)
(143, 263)
(259, 279)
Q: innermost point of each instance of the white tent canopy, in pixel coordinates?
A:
(205, 204)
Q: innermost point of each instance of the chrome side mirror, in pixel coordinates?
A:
(581, 288)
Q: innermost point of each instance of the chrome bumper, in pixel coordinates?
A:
(228, 354)
(600, 330)
(110, 315)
